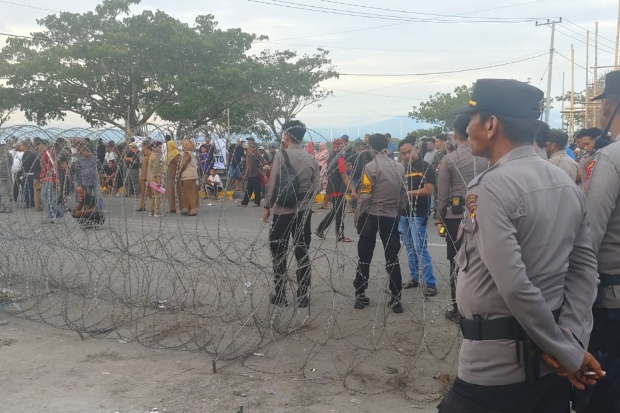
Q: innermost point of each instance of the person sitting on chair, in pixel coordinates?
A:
(86, 211)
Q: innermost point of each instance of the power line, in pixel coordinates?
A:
(400, 24)
(403, 50)
(15, 35)
(443, 72)
(583, 28)
(601, 47)
(351, 13)
(29, 6)
(593, 42)
(410, 12)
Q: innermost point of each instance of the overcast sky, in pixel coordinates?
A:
(375, 45)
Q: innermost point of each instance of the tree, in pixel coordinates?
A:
(436, 111)
(284, 85)
(111, 67)
(579, 113)
(7, 104)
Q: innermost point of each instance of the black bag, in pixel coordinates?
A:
(287, 185)
(457, 205)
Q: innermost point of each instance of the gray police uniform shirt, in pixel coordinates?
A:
(6, 165)
(565, 163)
(307, 171)
(382, 189)
(456, 171)
(601, 183)
(526, 251)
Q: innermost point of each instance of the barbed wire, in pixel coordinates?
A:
(202, 285)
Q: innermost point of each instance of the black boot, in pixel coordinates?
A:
(395, 305)
(361, 301)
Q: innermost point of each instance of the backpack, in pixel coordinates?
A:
(287, 184)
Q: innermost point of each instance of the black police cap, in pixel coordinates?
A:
(612, 85)
(504, 97)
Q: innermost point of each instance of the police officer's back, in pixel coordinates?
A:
(601, 183)
(527, 272)
(456, 171)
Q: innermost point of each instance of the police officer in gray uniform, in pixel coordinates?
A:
(382, 200)
(457, 169)
(601, 182)
(527, 273)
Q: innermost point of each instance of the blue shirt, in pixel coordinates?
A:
(571, 154)
(391, 148)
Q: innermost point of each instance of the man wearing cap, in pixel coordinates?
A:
(601, 183)
(291, 222)
(527, 276)
(455, 172)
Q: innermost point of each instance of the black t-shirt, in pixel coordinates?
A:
(416, 176)
(238, 153)
(107, 170)
(359, 162)
(135, 160)
(89, 202)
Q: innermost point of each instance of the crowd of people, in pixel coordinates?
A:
(532, 230)
(531, 225)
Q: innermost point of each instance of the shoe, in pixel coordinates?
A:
(140, 209)
(361, 301)
(157, 216)
(395, 305)
(151, 214)
(303, 301)
(278, 299)
(452, 315)
(430, 291)
(173, 211)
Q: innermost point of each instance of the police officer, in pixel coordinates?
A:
(456, 170)
(291, 221)
(527, 270)
(382, 201)
(601, 182)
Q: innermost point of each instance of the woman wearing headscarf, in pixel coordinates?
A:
(310, 148)
(173, 184)
(321, 158)
(188, 170)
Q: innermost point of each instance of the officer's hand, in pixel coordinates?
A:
(266, 214)
(355, 195)
(582, 377)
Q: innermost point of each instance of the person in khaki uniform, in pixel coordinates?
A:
(188, 169)
(601, 184)
(527, 277)
(291, 221)
(383, 199)
(155, 174)
(456, 171)
(147, 149)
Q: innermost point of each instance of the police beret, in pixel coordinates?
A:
(612, 85)
(504, 97)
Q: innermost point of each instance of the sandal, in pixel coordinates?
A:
(410, 284)
(323, 207)
(345, 239)
(320, 235)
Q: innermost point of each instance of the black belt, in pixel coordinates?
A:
(505, 328)
(609, 280)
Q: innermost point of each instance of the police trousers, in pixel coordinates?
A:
(550, 395)
(297, 227)
(367, 227)
(604, 397)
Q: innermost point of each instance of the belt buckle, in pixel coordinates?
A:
(478, 318)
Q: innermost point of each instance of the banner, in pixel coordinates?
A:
(219, 154)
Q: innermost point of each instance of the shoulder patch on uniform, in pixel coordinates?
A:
(588, 173)
(366, 187)
(470, 203)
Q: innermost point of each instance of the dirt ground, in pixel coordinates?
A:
(44, 369)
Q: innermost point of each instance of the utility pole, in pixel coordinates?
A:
(551, 23)
(586, 104)
(595, 86)
(571, 127)
(617, 38)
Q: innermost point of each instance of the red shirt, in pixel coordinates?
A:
(48, 167)
(342, 169)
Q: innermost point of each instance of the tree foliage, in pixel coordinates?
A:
(436, 110)
(112, 67)
(285, 84)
